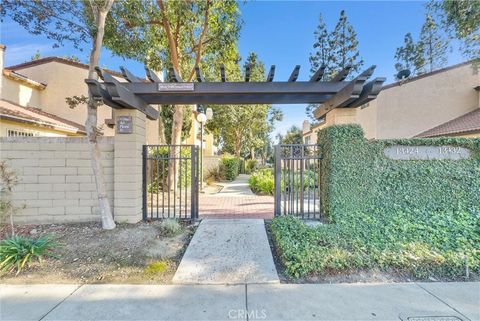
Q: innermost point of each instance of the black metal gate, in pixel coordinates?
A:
(297, 181)
(170, 181)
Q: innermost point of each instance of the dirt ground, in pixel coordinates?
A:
(88, 254)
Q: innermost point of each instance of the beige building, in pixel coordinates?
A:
(445, 102)
(32, 102)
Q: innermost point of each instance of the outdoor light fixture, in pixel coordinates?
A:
(209, 113)
(202, 118)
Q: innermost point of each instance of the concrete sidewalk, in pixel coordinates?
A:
(238, 187)
(408, 301)
(228, 251)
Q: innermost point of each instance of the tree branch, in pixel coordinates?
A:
(171, 41)
(201, 39)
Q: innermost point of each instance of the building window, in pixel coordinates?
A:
(307, 140)
(18, 133)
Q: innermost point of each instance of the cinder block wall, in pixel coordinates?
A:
(56, 182)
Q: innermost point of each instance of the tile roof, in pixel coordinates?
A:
(470, 122)
(34, 115)
(45, 60)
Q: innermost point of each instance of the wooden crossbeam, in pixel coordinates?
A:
(248, 69)
(344, 97)
(99, 93)
(317, 76)
(368, 72)
(222, 73)
(342, 74)
(294, 75)
(151, 75)
(271, 73)
(198, 74)
(369, 92)
(126, 98)
(174, 76)
(128, 75)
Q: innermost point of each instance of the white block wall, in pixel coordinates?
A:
(56, 183)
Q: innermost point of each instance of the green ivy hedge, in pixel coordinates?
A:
(356, 176)
(417, 217)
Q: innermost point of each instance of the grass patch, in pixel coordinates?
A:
(156, 267)
(442, 245)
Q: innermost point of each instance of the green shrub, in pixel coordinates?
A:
(441, 247)
(251, 165)
(18, 251)
(230, 167)
(170, 227)
(158, 169)
(416, 217)
(262, 181)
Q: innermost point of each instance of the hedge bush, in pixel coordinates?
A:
(230, 166)
(262, 181)
(251, 165)
(416, 217)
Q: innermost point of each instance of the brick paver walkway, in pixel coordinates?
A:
(236, 201)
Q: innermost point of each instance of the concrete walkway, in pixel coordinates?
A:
(228, 251)
(236, 200)
(409, 301)
(238, 187)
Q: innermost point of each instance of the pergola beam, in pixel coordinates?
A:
(122, 96)
(222, 73)
(151, 75)
(248, 69)
(342, 74)
(317, 76)
(294, 75)
(344, 97)
(139, 94)
(198, 74)
(128, 75)
(271, 73)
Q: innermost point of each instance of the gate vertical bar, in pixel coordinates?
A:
(194, 183)
(144, 181)
(277, 180)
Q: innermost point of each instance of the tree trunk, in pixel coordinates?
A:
(175, 149)
(91, 124)
(161, 127)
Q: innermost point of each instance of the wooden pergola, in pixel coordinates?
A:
(137, 93)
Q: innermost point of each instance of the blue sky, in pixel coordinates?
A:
(281, 33)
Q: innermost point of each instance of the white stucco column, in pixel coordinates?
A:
(128, 164)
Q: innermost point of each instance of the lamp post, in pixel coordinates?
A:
(202, 119)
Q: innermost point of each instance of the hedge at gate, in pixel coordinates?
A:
(413, 217)
(356, 176)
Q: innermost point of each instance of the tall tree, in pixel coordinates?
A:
(293, 136)
(409, 56)
(461, 19)
(242, 128)
(344, 44)
(321, 56)
(77, 22)
(177, 34)
(432, 45)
